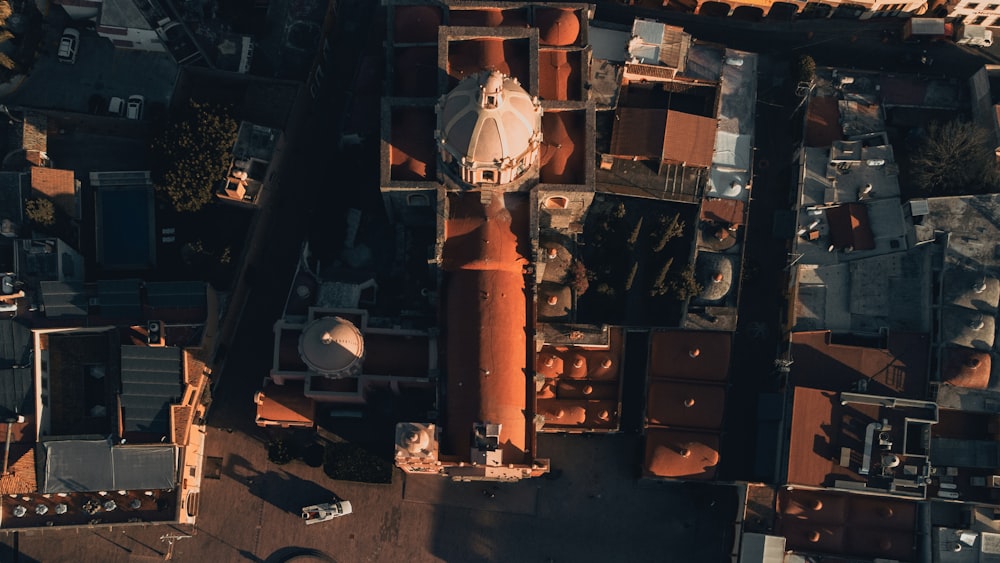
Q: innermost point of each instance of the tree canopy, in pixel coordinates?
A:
(955, 158)
(196, 150)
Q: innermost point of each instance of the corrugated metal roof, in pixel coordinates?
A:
(16, 392)
(119, 298)
(63, 299)
(689, 139)
(151, 382)
(179, 295)
(94, 465)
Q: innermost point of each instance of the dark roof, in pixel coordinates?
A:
(689, 355)
(94, 465)
(723, 210)
(16, 376)
(63, 299)
(178, 295)
(15, 344)
(119, 298)
(686, 405)
(12, 196)
(850, 227)
(899, 369)
(639, 132)
(151, 382)
(823, 122)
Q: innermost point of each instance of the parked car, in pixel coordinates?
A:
(316, 513)
(116, 107)
(68, 45)
(133, 109)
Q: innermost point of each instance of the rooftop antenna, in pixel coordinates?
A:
(171, 539)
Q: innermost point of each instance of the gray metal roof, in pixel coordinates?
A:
(15, 344)
(70, 466)
(151, 382)
(119, 298)
(63, 299)
(179, 295)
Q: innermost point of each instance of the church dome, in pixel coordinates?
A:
(489, 128)
(332, 346)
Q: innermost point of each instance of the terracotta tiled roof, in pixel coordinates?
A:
(685, 405)
(823, 122)
(723, 210)
(849, 226)
(412, 155)
(286, 403)
(34, 132)
(638, 132)
(562, 158)
(898, 370)
(689, 139)
(558, 74)
(20, 477)
(488, 17)
(557, 26)
(693, 355)
(847, 525)
(413, 66)
(194, 366)
(576, 413)
(965, 367)
(416, 24)
(181, 416)
(57, 185)
(486, 313)
(681, 454)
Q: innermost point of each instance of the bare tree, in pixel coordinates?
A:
(955, 158)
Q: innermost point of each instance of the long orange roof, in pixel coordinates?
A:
(486, 323)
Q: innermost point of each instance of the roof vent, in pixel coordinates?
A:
(980, 285)
(694, 352)
(154, 333)
(890, 460)
(973, 362)
(977, 323)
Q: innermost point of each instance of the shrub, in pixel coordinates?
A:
(660, 283)
(635, 233)
(41, 211)
(345, 461)
(578, 278)
(667, 230)
(684, 285)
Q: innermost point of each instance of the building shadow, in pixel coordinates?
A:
(288, 492)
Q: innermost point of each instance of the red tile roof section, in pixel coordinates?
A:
(57, 185)
(850, 227)
(638, 132)
(399, 355)
(486, 320)
(689, 139)
(723, 210)
(847, 525)
(469, 56)
(693, 355)
(412, 155)
(965, 367)
(488, 17)
(681, 454)
(416, 24)
(562, 155)
(899, 370)
(413, 67)
(558, 74)
(20, 477)
(579, 414)
(286, 403)
(685, 405)
(818, 433)
(557, 26)
(823, 122)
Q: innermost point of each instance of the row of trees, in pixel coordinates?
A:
(194, 152)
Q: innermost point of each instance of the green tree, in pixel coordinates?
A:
(660, 283)
(635, 233)
(41, 211)
(196, 151)
(578, 277)
(955, 158)
(668, 229)
(684, 285)
(631, 276)
(805, 69)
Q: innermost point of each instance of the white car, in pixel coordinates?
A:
(316, 513)
(116, 107)
(68, 44)
(134, 108)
